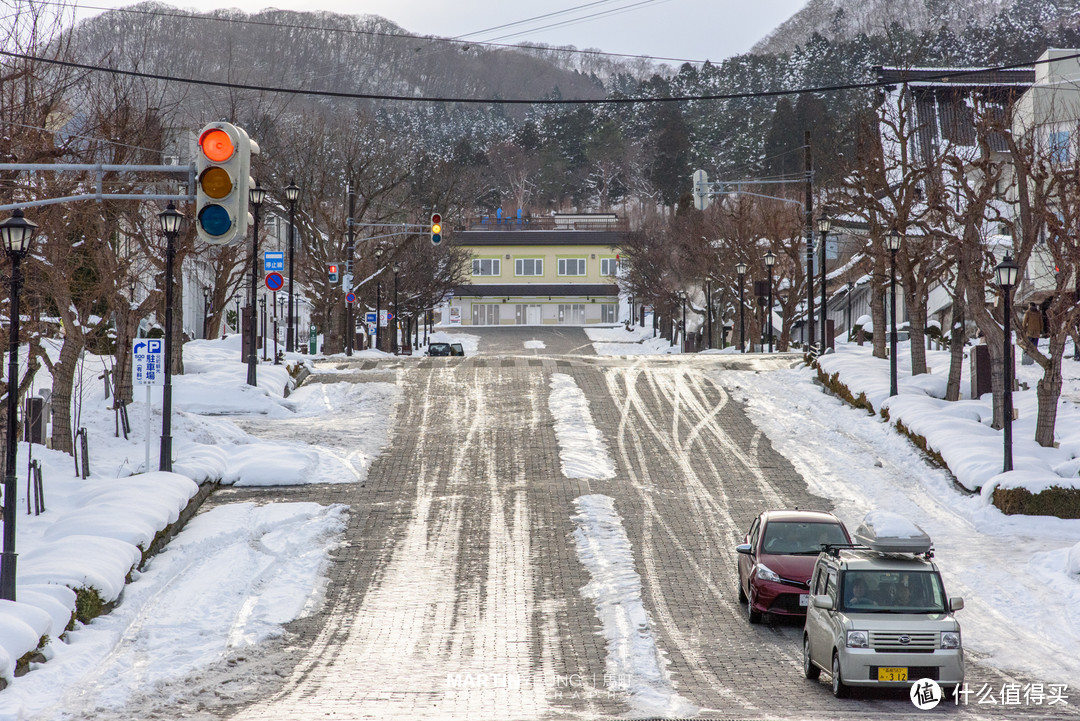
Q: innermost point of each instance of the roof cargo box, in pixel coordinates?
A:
(891, 533)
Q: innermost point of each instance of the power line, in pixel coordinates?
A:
(529, 20)
(531, 101)
(373, 33)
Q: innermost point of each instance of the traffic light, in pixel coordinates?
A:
(700, 183)
(223, 167)
(333, 273)
(436, 228)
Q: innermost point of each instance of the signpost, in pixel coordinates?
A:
(273, 260)
(385, 317)
(274, 281)
(148, 369)
(313, 339)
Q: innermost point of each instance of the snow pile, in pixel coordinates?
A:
(615, 589)
(636, 341)
(229, 580)
(960, 431)
(534, 345)
(582, 450)
(891, 525)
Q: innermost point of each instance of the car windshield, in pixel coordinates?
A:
(796, 538)
(439, 349)
(893, 592)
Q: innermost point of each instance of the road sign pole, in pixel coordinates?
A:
(149, 429)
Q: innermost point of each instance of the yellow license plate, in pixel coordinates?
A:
(892, 673)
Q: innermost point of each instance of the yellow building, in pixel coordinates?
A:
(539, 271)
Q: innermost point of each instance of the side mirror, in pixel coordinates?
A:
(955, 603)
(744, 548)
(822, 601)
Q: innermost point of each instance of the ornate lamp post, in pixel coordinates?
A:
(256, 196)
(824, 224)
(850, 290)
(16, 233)
(394, 331)
(205, 311)
(892, 241)
(708, 307)
(740, 269)
(1007, 272)
(378, 300)
(291, 194)
(170, 220)
(770, 261)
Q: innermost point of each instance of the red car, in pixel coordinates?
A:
(777, 557)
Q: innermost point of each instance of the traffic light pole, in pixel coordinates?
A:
(350, 327)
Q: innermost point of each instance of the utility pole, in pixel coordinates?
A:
(809, 207)
(350, 327)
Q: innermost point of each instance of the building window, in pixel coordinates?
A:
(572, 313)
(486, 266)
(609, 313)
(608, 266)
(485, 314)
(571, 266)
(528, 266)
(1059, 147)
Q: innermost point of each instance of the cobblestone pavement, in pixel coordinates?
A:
(457, 591)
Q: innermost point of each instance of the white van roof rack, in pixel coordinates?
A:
(887, 532)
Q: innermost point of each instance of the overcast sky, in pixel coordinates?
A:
(684, 29)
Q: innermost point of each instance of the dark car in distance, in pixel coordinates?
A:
(445, 349)
(777, 557)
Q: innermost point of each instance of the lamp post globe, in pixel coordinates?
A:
(892, 242)
(1007, 273)
(292, 194)
(17, 234)
(740, 270)
(256, 196)
(770, 261)
(169, 220)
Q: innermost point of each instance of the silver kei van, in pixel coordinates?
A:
(878, 614)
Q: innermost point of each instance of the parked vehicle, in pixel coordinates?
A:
(879, 615)
(448, 349)
(777, 557)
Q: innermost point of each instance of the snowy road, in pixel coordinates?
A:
(476, 580)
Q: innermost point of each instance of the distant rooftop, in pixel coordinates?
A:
(957, 76)
(595, 222)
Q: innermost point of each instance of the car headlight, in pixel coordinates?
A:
(950, 639)
(858, 639)
(767, 574)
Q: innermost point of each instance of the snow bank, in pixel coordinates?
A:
(615, 589)
(582, 450)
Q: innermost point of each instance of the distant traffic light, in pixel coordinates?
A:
(223, 166)
(333, 273)
(436, 228)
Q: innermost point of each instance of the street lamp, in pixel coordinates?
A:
(16, 233)
(1007, 272)
(682, 297)
(170, 220)
(205, 311)
(824, 223)
(291, 194)
(256, 196)
(394, 332)
(708, 307)
(378, 299)
(850, 290)
(892, 241)
(770, 261)
(740, 268)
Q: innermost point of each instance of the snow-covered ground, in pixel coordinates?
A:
(94, 531)
(1018, 574)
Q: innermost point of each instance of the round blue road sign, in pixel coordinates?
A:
(274, 281)
(350, 297)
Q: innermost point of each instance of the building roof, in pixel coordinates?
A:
(535, 238)
(518, 290)
(956, 76)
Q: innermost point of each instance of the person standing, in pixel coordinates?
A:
(1033, 325)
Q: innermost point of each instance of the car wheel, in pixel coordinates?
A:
(752, 614)
(809, 670)
(742, 593)
(839, 690)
